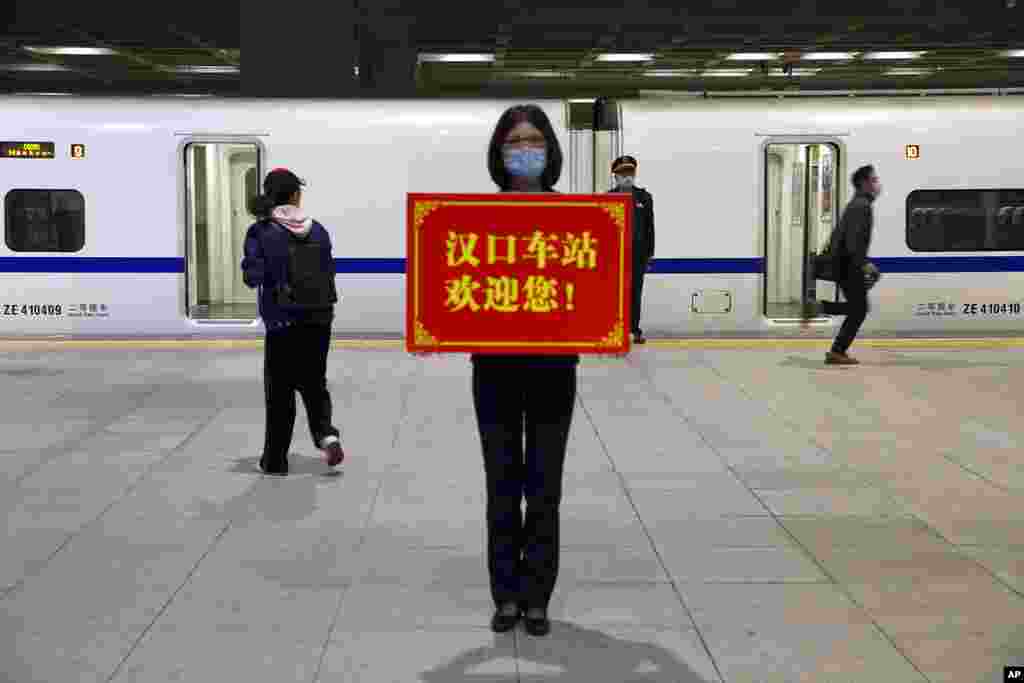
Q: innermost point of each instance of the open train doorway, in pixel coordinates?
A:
(221, 177)
(801, 209)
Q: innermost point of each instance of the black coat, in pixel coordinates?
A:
(643, 224)
(851, 239)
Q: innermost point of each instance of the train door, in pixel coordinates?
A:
(220, 178)
(244, 185)
(800, 212)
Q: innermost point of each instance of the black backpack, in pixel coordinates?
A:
(306, 285)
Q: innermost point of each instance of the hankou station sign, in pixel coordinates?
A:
(519, 273)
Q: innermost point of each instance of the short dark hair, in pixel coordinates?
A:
(512, 117)
(862, 174)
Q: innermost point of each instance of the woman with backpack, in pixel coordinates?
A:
(288, 258)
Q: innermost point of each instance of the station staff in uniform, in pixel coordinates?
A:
(624, 170)
(296, 303)
(523, 398)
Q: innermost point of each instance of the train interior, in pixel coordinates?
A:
(220, 179)
(800, 212)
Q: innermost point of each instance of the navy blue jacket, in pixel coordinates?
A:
(265, 266)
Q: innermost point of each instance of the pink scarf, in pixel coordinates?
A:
(292, 218)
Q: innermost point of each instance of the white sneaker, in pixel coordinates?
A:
(331, 446)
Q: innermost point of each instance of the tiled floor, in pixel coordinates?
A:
(728, 515)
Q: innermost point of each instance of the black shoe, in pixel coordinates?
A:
(536, 622)
(505, 617)
(638, 338)
(275, 472)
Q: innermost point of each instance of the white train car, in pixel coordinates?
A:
(125, 217)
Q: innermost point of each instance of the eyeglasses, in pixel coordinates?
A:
(531, 141)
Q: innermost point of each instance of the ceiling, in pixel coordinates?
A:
(536, 48)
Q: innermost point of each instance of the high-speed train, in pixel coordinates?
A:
(126, 217)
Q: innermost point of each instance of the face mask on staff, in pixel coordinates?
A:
(625, 182)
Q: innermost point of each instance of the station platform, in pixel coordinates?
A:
(732, 511)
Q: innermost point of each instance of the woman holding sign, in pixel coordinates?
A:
(523, 396)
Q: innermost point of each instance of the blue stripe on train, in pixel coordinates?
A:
(902, 264)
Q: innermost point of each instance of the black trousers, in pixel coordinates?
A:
(639, 270)
(855, 308)
(512, 401)
(295, 359)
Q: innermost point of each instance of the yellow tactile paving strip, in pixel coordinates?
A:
(705, 343)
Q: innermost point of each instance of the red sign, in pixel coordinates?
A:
(519, 273)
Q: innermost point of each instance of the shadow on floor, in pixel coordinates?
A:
(297, 465)
(583, 655)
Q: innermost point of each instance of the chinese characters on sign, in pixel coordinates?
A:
(518, 273)
(26, 150)
(540, 293)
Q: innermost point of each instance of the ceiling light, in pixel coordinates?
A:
(908, 72)
(206, 69)
(1013, 53)
(893, 55)
(754, 56)
(726, 72)
(34, 67)
(71, 50)
(624, 57)
(456, 57)
(795, 72)
(669, 73)
(827, 56)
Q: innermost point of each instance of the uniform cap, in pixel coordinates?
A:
(624, 163)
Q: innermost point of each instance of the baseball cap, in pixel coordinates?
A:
(282, 180)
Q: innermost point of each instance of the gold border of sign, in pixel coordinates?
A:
(424, 207)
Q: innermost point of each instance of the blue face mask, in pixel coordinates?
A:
(525, 163)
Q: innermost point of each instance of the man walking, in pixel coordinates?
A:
(855, 275)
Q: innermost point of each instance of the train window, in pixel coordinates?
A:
(44, 220)
(965, 220)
